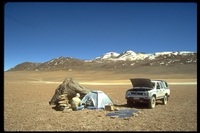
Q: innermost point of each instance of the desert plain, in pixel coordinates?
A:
(27, 95)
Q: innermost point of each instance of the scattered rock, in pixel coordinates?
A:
(116, 109)
(113, 116)
(99, 115)
(139, 112)
(67, 110)
(63, 102)
(126, 118)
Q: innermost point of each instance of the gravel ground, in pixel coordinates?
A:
(26, 108)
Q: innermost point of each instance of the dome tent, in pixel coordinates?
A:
(99, 100)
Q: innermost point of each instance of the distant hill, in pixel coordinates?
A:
(126, 62)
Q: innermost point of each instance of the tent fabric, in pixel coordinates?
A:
(69, 87)
(99, 99)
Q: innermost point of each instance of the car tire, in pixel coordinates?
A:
(164, 100)
(152, 102)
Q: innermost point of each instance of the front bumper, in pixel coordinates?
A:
(139, 99)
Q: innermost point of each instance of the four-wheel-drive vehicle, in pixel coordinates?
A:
(147, 91)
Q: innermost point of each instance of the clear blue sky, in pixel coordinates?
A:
(41, 31)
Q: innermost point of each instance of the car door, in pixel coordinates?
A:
(160, 90)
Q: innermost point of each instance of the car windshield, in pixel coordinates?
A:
(166, 84)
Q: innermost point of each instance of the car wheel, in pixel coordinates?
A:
(152, 102)
(164, 100)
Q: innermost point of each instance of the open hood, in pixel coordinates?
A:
(141, 82)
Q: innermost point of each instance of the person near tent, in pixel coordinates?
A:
(76, 103)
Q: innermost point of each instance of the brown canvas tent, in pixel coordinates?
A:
(71, 87)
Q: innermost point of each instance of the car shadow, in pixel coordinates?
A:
(137, 106)
(121, 105)
(159, 103)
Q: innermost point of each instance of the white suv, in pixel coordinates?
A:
(147, 91)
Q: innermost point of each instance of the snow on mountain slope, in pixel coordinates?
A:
(131, 55)
(112, 60)
(108, 55)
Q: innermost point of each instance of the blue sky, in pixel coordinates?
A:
(41, 31)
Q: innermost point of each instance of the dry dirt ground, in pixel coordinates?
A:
(27, 96)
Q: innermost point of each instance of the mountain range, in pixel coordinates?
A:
(127, 61)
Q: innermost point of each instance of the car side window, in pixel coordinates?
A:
(158, 86)
(153, 84)
(161, 85)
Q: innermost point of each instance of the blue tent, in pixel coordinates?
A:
(98, 98)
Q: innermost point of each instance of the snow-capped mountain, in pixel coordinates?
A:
(132, 56)
(128, 60)
(109, 55)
